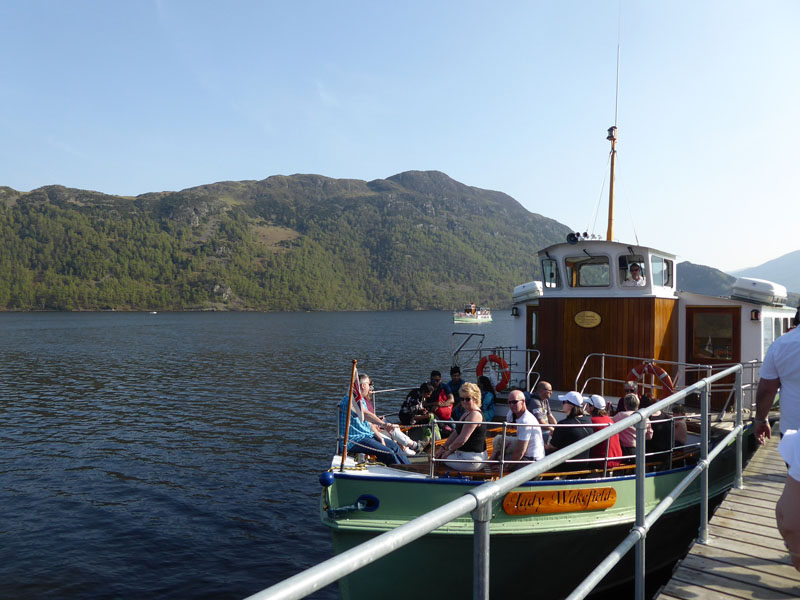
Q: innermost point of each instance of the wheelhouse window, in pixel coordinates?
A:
(661, 272)
(768, 334)
(633, 270)
(550, 273)
(588, 271)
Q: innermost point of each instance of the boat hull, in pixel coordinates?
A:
(561, 548)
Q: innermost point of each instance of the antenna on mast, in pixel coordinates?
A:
(612, 137)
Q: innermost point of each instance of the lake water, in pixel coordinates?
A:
(177, 455)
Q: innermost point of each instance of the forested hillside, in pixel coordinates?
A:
(416, 240)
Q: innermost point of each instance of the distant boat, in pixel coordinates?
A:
(472, 314)
(153, 312)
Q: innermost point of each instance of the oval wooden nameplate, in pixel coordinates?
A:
(588, 319)
(559, 501)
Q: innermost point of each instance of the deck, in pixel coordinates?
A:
(746, 556)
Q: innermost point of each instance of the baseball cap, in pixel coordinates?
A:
(597, 401)
(573, 398)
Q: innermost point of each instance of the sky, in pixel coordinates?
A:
(143, 96)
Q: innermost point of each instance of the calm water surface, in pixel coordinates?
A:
(177, 455)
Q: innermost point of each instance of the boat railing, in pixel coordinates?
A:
(467, 351)
(480, 500)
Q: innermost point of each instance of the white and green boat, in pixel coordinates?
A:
(588, 326)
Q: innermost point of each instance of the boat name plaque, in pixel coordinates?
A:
(588, 319)
(559, 501)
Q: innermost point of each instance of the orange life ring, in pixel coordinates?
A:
(639, 371)
(505, 372)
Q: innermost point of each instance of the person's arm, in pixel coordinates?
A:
(521, 446)
(765, 397)
(454, 443)
(449, 400)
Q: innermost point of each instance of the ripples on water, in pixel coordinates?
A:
(177, 455)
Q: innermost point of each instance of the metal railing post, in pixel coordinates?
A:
(481, 518)
(704, 431)
(641, 465)
(737, 482)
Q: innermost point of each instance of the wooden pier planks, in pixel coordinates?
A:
(746, 557)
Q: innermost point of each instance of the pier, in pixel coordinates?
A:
(745, 556)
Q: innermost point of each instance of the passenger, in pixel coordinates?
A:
(786, 509)
(539, 407)
(679, 418)
(636, 279)
(452, 388)
(487, 397)
(627, 437)
(662, 428)
(441, 403)
(610, 448)
(364, 436)
(414, 414)
(469, 441)
(630, 388)
(527, 445)
(572, 405)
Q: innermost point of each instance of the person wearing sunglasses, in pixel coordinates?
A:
(637, 277)
(527, 444)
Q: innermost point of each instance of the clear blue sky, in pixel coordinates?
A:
(134, 97)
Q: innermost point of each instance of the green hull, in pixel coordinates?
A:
(543, 540)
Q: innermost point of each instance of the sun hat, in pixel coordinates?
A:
(597, 401)
(573, 398)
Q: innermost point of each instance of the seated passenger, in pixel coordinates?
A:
(681, 431)
(600, 419)
(661, 424)
(636, 279)
(487, 397)
(441, 403)
(468, 443)
(527, 444)
(413, 413)
(363, 434)
(627, 437)
(572, 405)
(539, 407)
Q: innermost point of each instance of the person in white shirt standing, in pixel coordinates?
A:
(780, 371)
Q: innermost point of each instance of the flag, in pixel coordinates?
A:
(357, 397)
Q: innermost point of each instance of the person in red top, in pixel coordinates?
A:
(441, 403)
(600, 419)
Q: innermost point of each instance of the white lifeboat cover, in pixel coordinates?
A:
(527, 291)
(759, 290)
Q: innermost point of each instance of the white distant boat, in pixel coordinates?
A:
(472, 314)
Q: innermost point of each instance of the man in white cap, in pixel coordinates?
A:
(527, 444)
(570, 430)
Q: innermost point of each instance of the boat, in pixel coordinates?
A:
(472, 314)
(590, 326)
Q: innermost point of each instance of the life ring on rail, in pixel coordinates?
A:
(502, 366)
(647, 367)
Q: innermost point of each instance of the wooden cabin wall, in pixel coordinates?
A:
(644, 327)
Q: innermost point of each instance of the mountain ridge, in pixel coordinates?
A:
(414, 240)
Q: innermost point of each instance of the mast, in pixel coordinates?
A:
(612, 136)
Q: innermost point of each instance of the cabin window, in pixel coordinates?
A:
(769, 333)
(661, 271)
(785, 325)
(588, 271)
(712, 335)
(550, 273)
(778, 331)
(626, 262)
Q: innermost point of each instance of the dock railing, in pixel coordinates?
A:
(478, 502)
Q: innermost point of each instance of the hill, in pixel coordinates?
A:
(784, 270)
(303, 242)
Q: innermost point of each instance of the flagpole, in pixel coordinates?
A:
(349, 408)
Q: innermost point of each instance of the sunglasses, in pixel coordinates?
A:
(514, 401)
